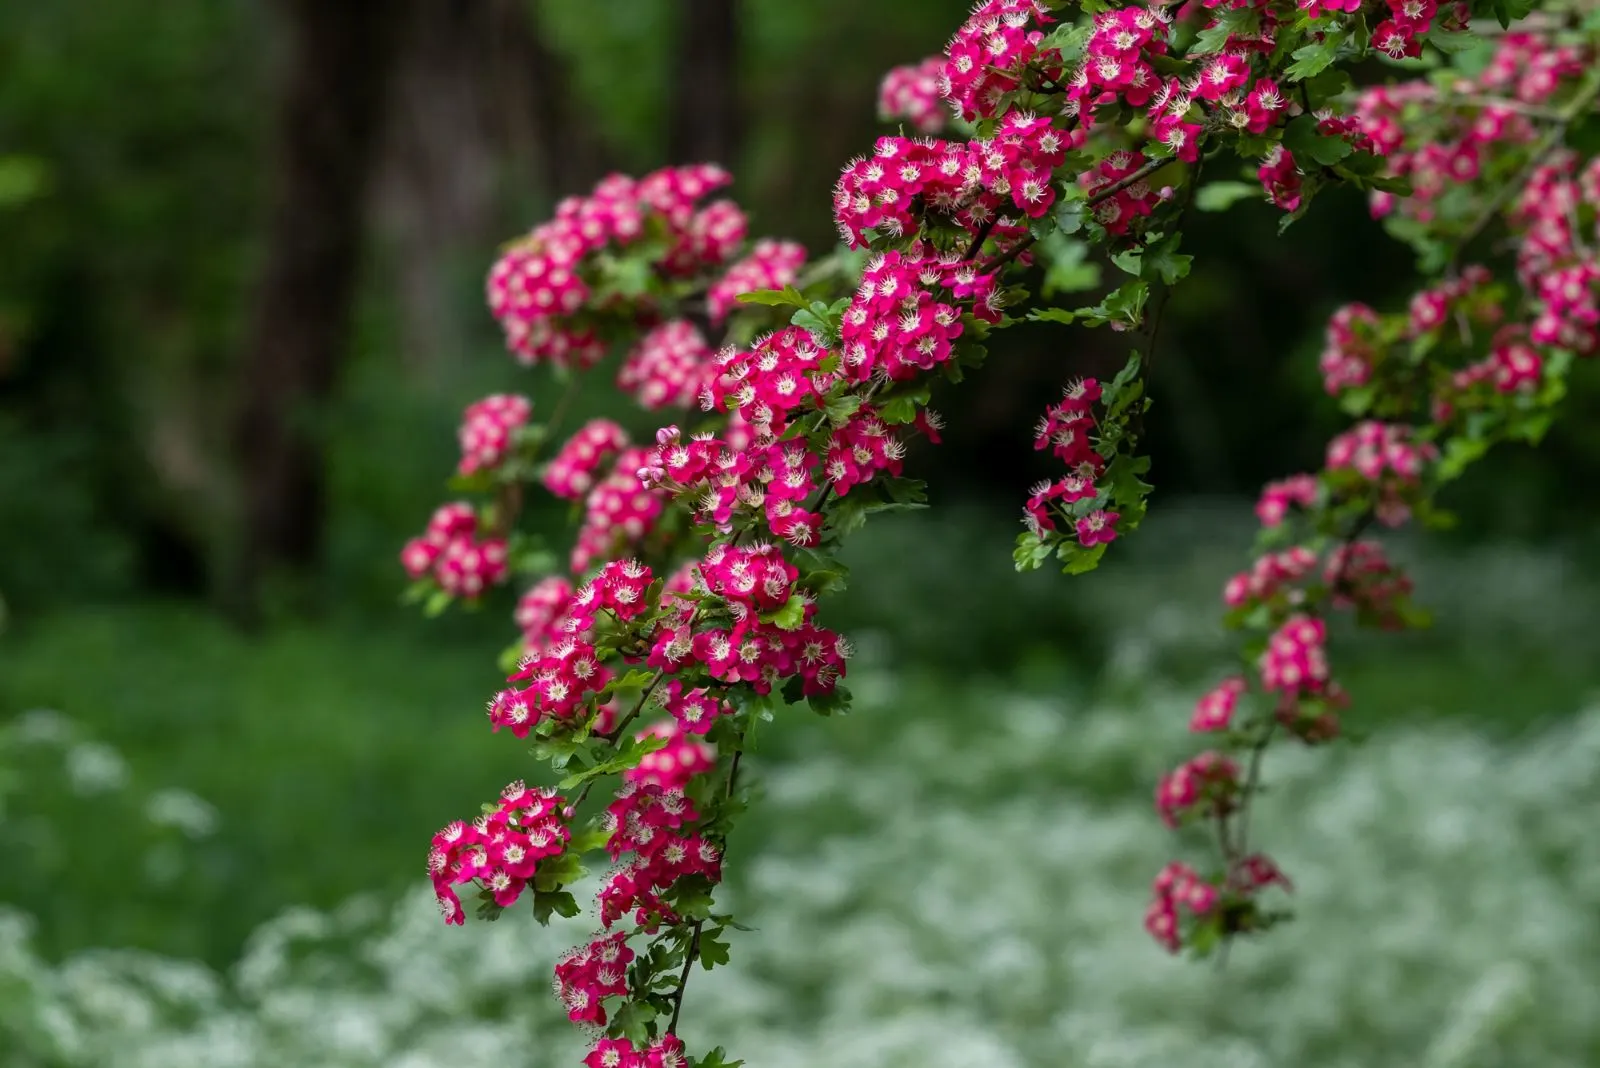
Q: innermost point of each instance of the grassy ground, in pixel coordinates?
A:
(952, 875)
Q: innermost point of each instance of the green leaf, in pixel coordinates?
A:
(841, 408)
(632, 1021)
(1162, 260)
(437, 602)
(713, 951)
(1241, 20)
(1303, 139)
(787, 297)
(1079, 560)
(633, 751)
(1032, 551)
(717, 1058)
(637, 679)
(835, 700)
(1314, 58)
(790, 616)
(1051, 315)
(547, 903)
(1220, 196)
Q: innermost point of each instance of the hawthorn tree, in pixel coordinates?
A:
(686, 614)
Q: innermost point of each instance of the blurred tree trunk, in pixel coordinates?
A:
(706, 121)
(553, 143)
(329, 114)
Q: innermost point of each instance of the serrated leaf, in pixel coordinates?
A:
(1078, 560)
(788, 296)
(1313, 58)
(840, 409)
(834, 701)
(790, 616)
(632, 1021)
(1214, 38)
(548, 903)
(1051, 315)
(713, 951)
(1302, 137)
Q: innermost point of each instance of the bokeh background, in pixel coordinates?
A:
(240, 312)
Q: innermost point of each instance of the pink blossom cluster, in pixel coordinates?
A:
(1208, 783)
(667, 367)
(753, 582)
(1361, 576)
(1455, 300)
(618, 513)
(1132, 199)
(771, 264)
(772, 479)
(499, 850)
(1351, 350)
(1214, 711)
(1067, 429)
(695, 710)
(541, 287)
(1295, 661)
(975, 184)
(1272, 508)
(542, 612)
(570, 474)
(654, 824)
(780, 374)
(1117, 65)
(903, 322)
(1512, 366)
(1280, 177)
(912, 93)
(487, 428)
(1178, 886)
(993, 53)
(463, 564)
(1400, 35)
(677, 762)
(1271, 575)
(1555, 261)
(665, 1052)
(1388, 456)
(1525, 69)
(587, 975)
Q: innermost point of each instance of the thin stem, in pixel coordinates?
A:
(683, 976)
(693, 952)
(1236, 849)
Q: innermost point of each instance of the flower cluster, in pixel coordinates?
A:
(1068, 430)
(462, 563)
(499, 851)
(542, 612)
(770, 265)
(541, 288)
(1389, 458)
(667, 368)
(487, 430)
(571, 474)
(618, 513)
(912, 94)
(652, 823)
(1352, 348)
(993, 53)
(975, 185)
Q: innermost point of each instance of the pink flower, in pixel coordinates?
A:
(1214, 711)
(1098, 527)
